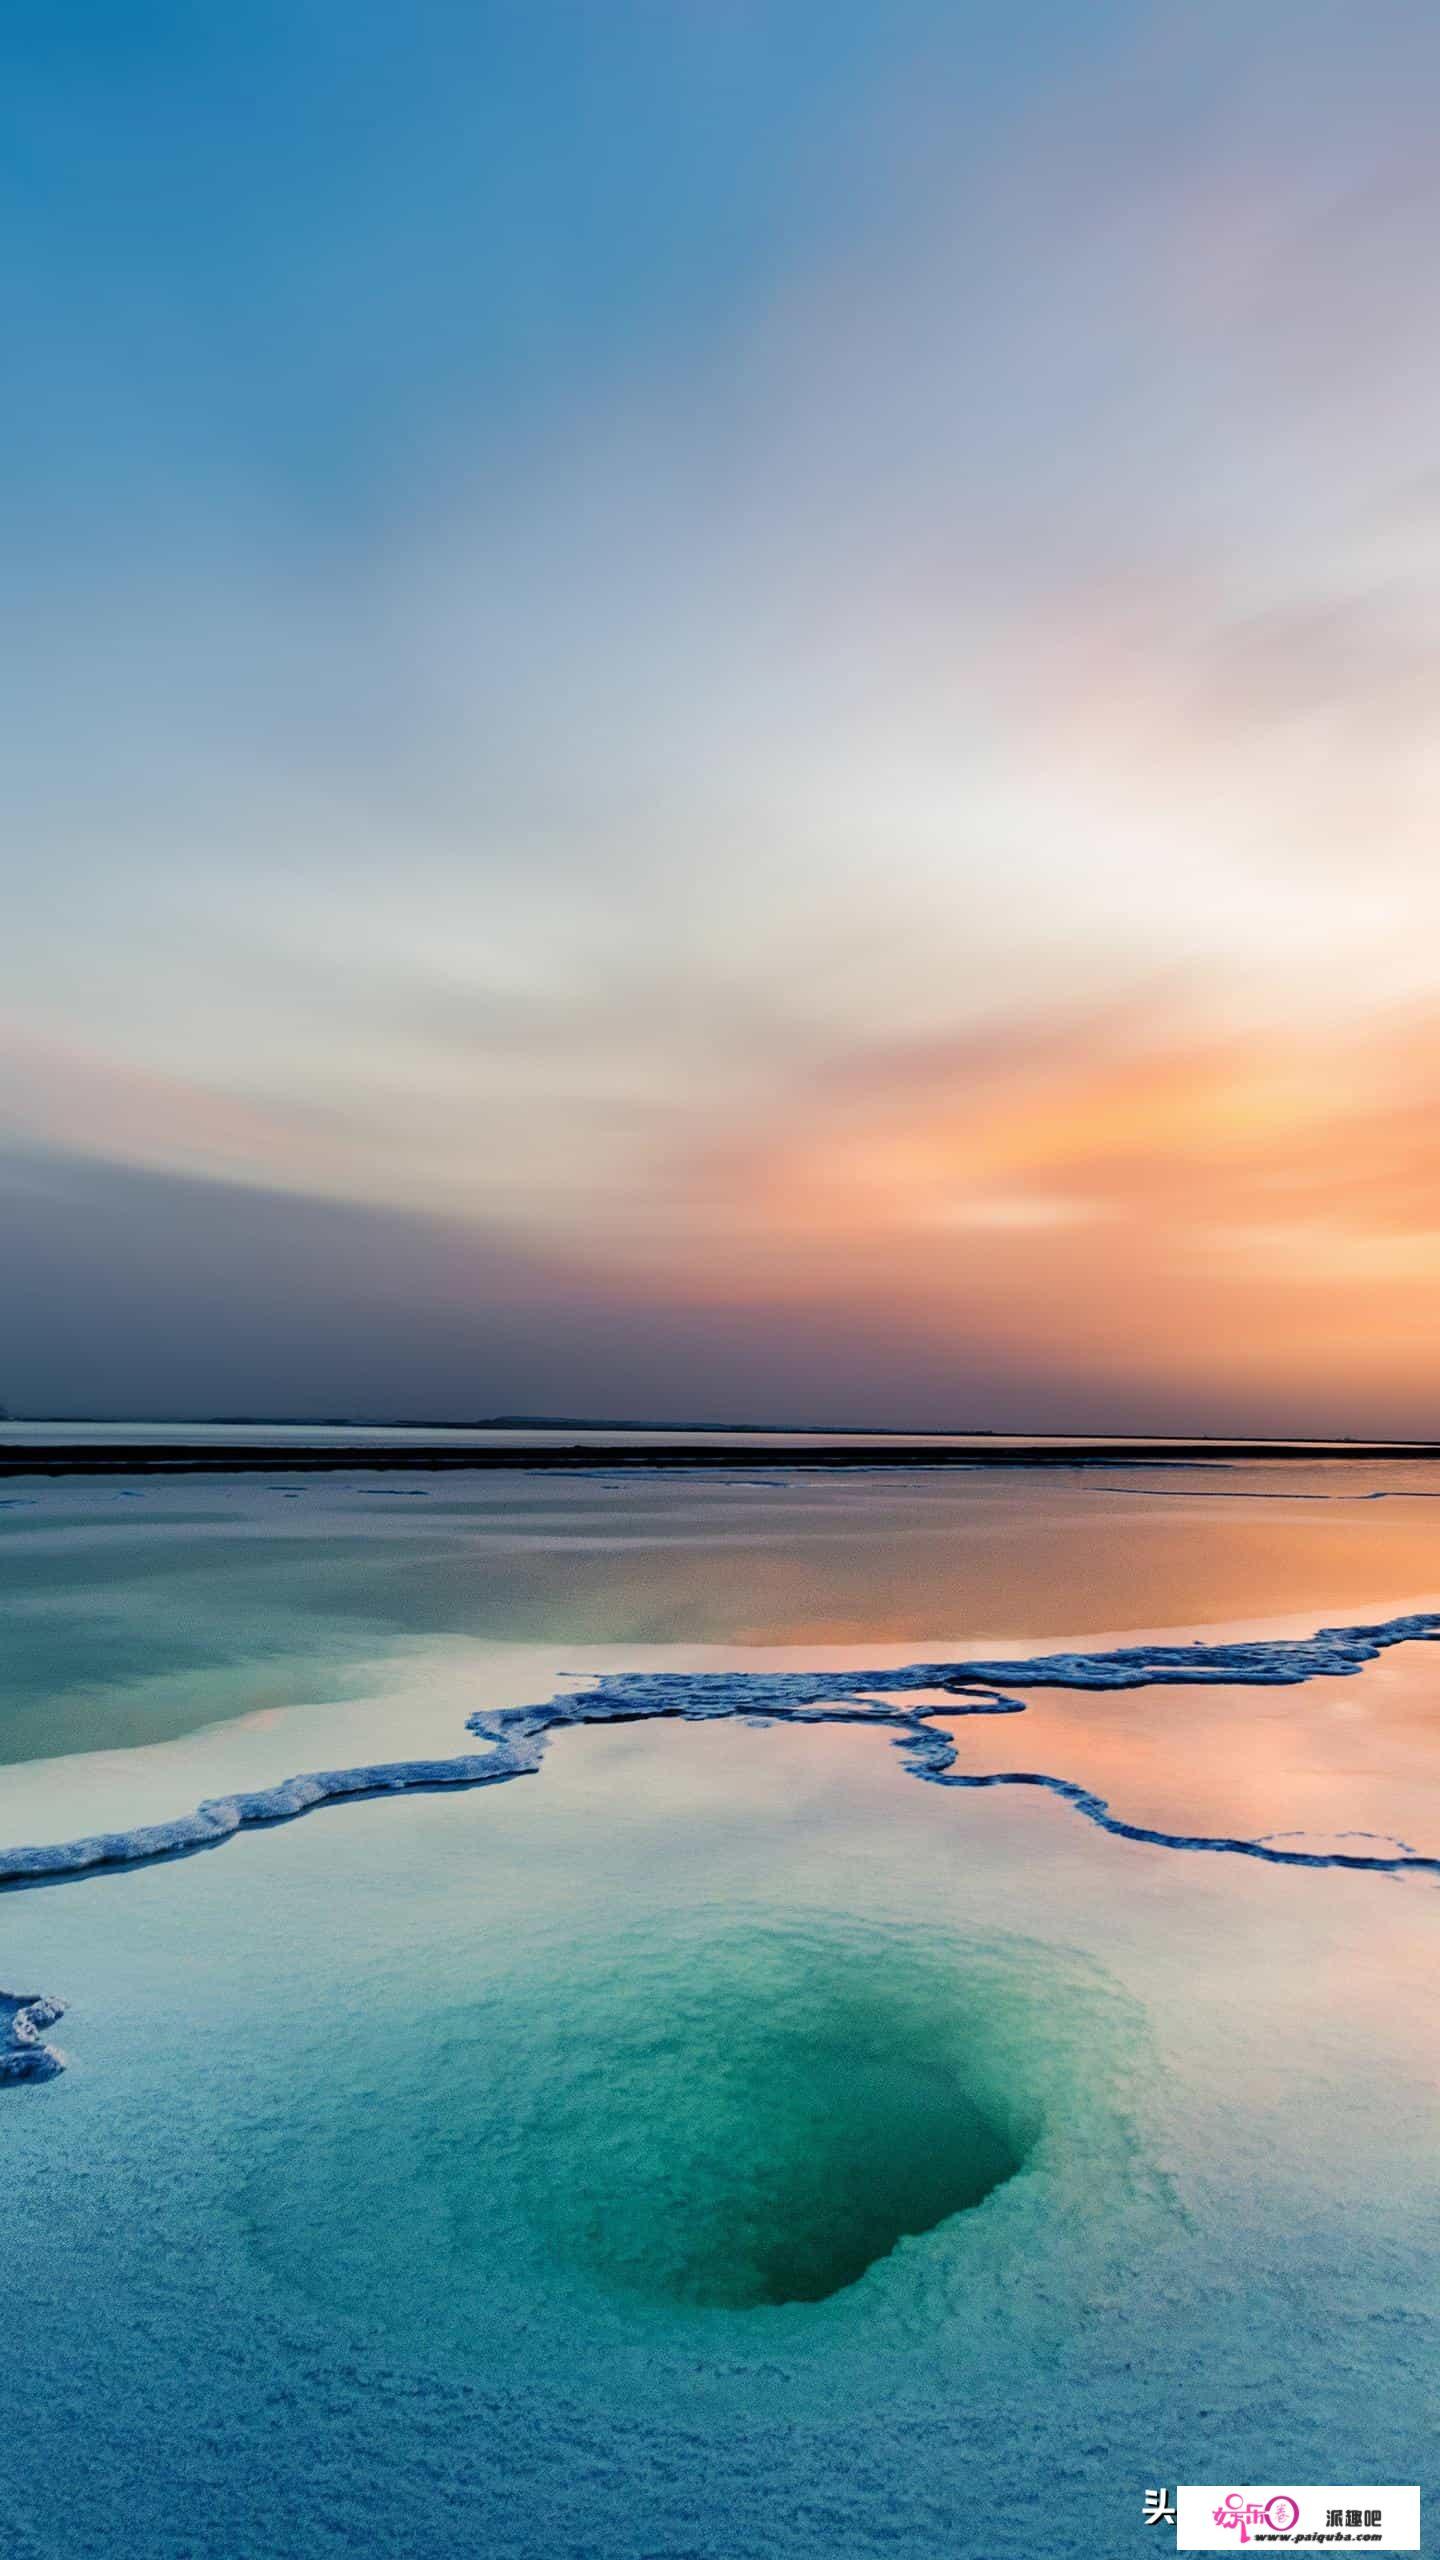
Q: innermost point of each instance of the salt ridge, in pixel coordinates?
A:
(518, 1737)
(24, 2054)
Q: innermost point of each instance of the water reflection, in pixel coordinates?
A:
(135, 1615)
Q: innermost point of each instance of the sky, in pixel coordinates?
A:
(722, 709)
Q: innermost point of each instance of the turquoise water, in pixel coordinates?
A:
(718, 2142)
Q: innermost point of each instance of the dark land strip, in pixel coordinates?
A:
(193, 1457)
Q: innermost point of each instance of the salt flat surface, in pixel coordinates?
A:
(717, 2141)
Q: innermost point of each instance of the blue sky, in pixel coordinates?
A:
(763, 673)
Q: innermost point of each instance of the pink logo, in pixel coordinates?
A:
(1280, 2514)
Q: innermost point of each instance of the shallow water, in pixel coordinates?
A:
(720, 2141)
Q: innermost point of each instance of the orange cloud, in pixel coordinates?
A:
(1137, 1210)
(1107, 1116)
(1245, 1215)
(59, 1093)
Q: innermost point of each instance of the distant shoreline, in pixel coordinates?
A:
(219, 1457)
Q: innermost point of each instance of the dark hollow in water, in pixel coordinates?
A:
(758, 2118)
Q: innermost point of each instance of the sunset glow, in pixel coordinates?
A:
(825, 811)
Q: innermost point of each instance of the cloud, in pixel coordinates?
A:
(1143, 1116)
(698, 825)
(1123, 1211)
(59, 1093)
(1139, 1196)
(130, 1292)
